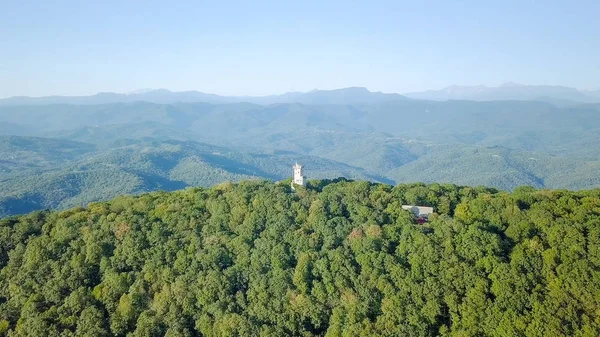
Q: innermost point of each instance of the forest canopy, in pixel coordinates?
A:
(338, 258)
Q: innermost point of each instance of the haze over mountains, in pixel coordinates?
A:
(58, 152)
(354, 95)
(508, 91)
(344, 96)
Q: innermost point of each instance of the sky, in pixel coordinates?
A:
(270, 47)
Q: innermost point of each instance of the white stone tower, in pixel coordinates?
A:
(298, 178)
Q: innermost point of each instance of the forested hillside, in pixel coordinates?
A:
(43, 173)
(62, 155)
(338, 258)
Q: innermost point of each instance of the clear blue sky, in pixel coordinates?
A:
(265, 47)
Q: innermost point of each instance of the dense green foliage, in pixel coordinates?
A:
(335, 259)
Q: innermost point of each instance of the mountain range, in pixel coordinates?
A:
(354, 95)
(510, 91)
(558, 95)
(65, 154)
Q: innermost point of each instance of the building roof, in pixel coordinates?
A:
(418, 210)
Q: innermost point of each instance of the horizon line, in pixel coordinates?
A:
(145, 91)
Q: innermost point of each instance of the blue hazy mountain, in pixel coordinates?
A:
(354, 95)
(593, 93)
(557, 95)
(509, 91)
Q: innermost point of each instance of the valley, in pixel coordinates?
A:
(63, 155)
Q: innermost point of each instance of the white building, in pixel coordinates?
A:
(298, 178)
(419, 211)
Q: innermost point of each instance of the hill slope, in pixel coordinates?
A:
(79, 174)
(335, 259)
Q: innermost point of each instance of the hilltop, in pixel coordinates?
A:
(338, 258)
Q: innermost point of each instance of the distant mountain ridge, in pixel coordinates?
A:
(557, 95)
(595, 93)
(344, 96)
(510, 91)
